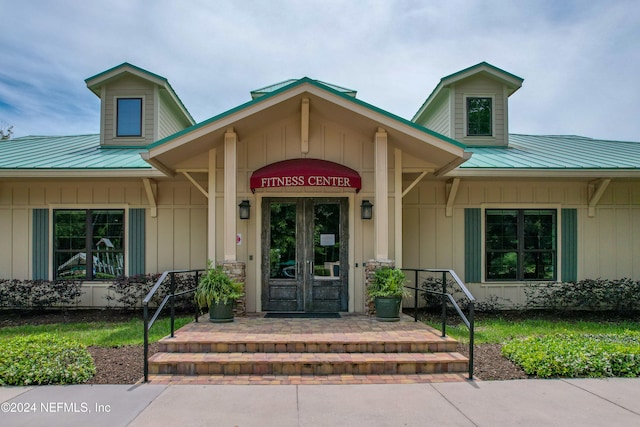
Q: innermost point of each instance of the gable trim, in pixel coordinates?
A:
(300, 86)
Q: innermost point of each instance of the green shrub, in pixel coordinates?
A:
(622, 295)
(388, 282)
(44, 359)
(129, 292)
(216, 286)
(431, 284)
(574, 355)
(38, 294)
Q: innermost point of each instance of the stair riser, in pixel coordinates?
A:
(387, 368)
(262, 347)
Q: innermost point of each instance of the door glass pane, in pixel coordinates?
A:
(326, 240)
(282, 255)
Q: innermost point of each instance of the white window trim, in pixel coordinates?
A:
(490, 206)
(465, 97)
(115, 118)
(124, 207)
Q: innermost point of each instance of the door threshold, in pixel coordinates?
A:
(301, 315)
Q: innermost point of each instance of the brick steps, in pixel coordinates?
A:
(279, 344)
(305, 363)
(351, 350)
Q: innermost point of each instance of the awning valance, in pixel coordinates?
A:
(305, 173)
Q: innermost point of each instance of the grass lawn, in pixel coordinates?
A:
(553, 347)
(497, 330)
(102, 334)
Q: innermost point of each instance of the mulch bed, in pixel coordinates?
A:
(124, 365)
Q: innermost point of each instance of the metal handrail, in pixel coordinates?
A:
(170, 297)
(468, 321)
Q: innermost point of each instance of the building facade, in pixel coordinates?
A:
(305, 184)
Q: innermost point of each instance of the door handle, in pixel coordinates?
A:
(310, 264)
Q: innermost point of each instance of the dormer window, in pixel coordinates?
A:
(479, 116)
(129, 117)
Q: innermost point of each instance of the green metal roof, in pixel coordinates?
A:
(271, 88)
(524, 152)
(123, 67)
(67, 152)
(556, 152)
(478, 66)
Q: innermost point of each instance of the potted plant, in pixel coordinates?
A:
(217, 291)
(387, 289)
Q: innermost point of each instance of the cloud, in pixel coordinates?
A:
(578, 59)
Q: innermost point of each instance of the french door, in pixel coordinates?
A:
(304, 254)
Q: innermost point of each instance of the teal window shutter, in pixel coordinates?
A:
(136, 241)
(472, 245)
(569, 257)
(40, 236)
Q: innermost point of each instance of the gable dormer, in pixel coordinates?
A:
(137, 107)
(471, 106)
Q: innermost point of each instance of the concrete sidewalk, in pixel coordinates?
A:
(583, 402)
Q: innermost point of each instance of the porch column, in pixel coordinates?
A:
(230, 198)
(397, 197)
(381, 215)
(211, 207)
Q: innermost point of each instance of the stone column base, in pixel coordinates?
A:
(369, 273)
(237, 271)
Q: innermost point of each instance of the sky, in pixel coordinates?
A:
(579, 58)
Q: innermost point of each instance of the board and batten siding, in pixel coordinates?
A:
(605, 245)
(175, 239)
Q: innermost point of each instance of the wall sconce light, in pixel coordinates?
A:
(366, 210)
(245, 209)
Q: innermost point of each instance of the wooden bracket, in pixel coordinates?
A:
(414, 183)
(596, 190)
(187, 174)
(151, 188)
(452, 190)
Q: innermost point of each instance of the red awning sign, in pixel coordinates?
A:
(305, 173)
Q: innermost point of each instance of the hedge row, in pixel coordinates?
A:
(38, 294)
(129, 292)
(621, 295)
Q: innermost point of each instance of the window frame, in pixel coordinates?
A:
(117, 132)
(521, 251)
(89, 237)
(492, 132)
